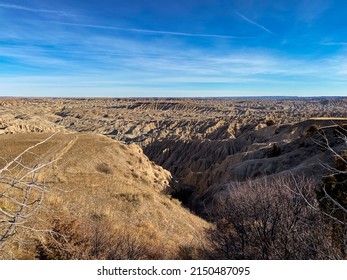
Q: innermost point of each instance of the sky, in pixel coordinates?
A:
(173, 48)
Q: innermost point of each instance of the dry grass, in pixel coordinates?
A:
(88, 189)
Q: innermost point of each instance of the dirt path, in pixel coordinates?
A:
(69, 145)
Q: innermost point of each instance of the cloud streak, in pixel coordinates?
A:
(29, 9)
(149, 31)
(333, 43)
(253, 22)
(129, 61)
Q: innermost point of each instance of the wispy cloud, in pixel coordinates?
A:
(150, 31)
(34, 10)
(340, 43)
(85, 62)
(107, 55)
(126, 60)
(253, 22)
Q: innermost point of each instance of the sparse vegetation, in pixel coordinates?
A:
(80, 239)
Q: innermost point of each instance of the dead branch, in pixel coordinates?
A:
(21, 194)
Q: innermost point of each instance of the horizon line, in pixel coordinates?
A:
(172, 97)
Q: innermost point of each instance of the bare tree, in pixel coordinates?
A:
(266, 219)
(332, 192)
(21, 193)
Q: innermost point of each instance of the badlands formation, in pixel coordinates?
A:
(146, 165)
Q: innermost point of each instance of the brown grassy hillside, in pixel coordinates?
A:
(101, 194)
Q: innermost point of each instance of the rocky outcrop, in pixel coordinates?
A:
(207, 166)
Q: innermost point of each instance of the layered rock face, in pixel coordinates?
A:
(205, 167)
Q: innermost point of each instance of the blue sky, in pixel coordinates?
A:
(173, 48)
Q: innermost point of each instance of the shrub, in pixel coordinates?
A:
(312, 129)
(82, 239)
(332, 197)
(275, 151)
(268, 219)
(270, 122)
(104, 168)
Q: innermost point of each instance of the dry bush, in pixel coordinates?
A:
(270, 122)
(104, 168)
(312, 129)
(332, 192)
(190, 252)
(269, 219)
(95, 239)
(275, 151)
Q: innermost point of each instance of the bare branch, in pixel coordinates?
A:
(17, 158)
(21, 193)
